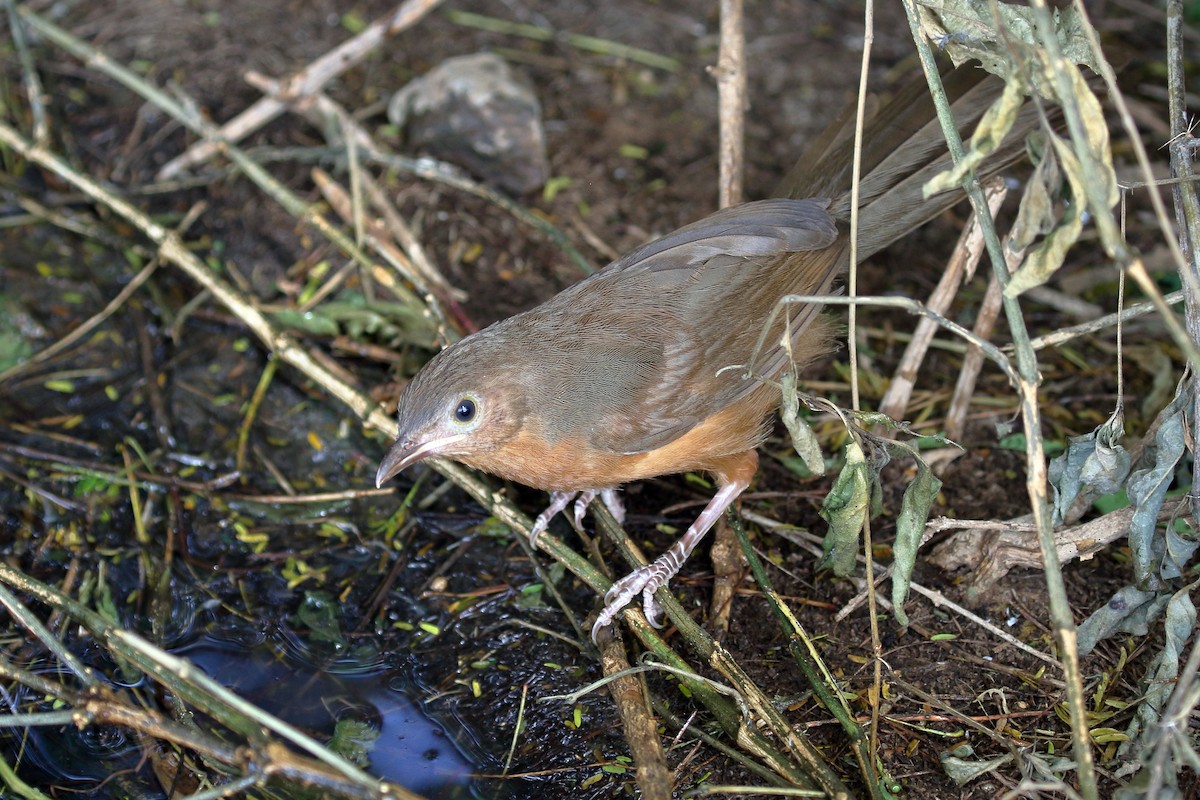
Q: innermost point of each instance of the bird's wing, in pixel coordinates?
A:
(640, 343)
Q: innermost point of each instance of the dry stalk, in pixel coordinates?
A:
(303, 83)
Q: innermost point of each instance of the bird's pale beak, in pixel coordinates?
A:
(405, 453)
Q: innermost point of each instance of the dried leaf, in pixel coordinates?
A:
(1087, 166)
(967, 30)
(1098, 153)
(1044, 260)
(997, 121)
(1036, 214)
(1161, 679)
(1130, 610)
(1159, 557)
(962, 771)
(1093, 465)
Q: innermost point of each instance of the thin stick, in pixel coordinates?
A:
(304, 82)
(730, 73)
(89, 325)
(1063, 335)
(989, 311)
(641, 729)
(964, 387)
(29, 76)
(814, 544)
(731, 102)
(1187, 205)
(1027, 383)
(962, 264)
(856, 175)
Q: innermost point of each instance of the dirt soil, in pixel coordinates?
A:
(438, 600)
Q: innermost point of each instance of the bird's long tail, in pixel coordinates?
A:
(903, 147)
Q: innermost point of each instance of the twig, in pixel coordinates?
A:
(876, 694)
(256, 399)
(21, 614)
(589, 43)
(29, 76)
(730, 73)
(964, 386)
(1028, 379)
(784, 531)
(260, 758)
(641, 729)
(1183, 150)
(89, 325)
(303, 83)
(183, 112)
(1189, 274)
(412, 245)
(1062, 335)
(318, 109)
(962, 264)
(432, 170)
(711, 653)
(426, 168)
(985, 321)
(804, 653)
(913, 307)
(284, 345)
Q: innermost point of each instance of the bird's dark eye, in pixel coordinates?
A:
(465, 411)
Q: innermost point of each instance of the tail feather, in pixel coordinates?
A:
(903, 148)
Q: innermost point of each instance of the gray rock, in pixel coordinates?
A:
(475, 112)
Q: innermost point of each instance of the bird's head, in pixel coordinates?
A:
(463, 403)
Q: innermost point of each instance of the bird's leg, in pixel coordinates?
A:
(648, 578)
(558, 501)
(611, 499)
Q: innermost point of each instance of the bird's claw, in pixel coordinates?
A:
(581, 506)
(647, 580)
(558, 501)
(612, 501)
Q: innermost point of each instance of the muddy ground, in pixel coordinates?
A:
(438, 603)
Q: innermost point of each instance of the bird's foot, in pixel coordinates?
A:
(645, 579)
(611, 499)
(649, 578)
(558, 501)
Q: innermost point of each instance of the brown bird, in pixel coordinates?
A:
(649, 367)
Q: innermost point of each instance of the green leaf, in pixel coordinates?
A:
(308, 321)
(354, 740)
(553, 186)
(803, 438)
(845, 510)
(910, 525)
(318, 613)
